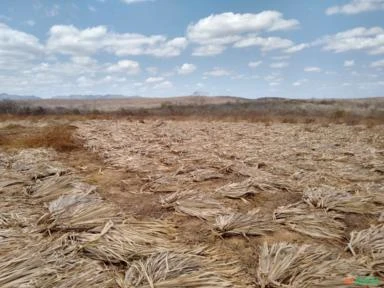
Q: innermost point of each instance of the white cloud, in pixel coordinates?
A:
(226, 25)
(349, 63)
(360, 38)
(265, 44)
(217, 72)
(186, 68)
(154, 79)
(70, 40)
(356, 7)
(297, 48)
(17, 48)
(378, 64)
(312, 69)
(279, 65)
(254, 64)
(125, 66)
(215, 32)
(163, 85)
(136, 1)
(208, 50)
(66, 39)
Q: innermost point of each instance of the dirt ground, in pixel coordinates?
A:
(233, 186)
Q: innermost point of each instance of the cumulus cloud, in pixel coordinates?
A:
(216, 32)
(360, 38)
(378, 64)
(17, 48)
(67, 39)
(227, 26)
(312, 69)
(186, 68)
(349, 63)
(208, 50)
(265, 44)
(218, 72)
(125, 66)
(356, 7)
(254, 64)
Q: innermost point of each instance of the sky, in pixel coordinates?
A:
(161, 48)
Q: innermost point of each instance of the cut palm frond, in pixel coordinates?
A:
(330, 198)
(313, 222)
(244, 224)
(194, 204)
(367, 241)
(238, 190)
(120, 243)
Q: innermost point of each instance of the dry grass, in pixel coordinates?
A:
(58, 137)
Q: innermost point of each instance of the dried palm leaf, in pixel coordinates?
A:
(367, 241)
(331, 199)
(315, 223)
(244, 224)
(238, 190)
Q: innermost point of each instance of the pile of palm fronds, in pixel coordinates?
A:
(200, 175)
(313, 222)
(244, 224)
(368, 241)
(51, 188)
(194, 204)
(167, 270)
(290, 265)
(238, 190)
(120, 243)
(79, 216)
(36, 163)
(330, 198)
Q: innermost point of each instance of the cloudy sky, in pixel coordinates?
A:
(248, 48)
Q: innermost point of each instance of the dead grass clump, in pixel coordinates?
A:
(329, 198)
(244, 224)
(315, 223)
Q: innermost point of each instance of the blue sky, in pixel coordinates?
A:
(157, 48)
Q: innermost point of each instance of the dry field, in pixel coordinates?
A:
(119, 203)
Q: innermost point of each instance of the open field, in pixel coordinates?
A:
(165, 203)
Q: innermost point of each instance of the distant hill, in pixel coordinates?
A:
(5, 96)
(94, 97)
